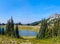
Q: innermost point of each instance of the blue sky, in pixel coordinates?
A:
(27, 11)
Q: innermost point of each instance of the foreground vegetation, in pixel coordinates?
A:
(9, 40)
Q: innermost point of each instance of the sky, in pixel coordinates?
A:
(27, 11)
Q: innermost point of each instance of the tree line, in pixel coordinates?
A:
(47, 30)
(11, 30)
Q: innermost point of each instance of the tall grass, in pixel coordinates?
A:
(8, 40)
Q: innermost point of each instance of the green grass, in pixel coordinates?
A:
(6, 39)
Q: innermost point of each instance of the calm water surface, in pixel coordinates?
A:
(25, 32)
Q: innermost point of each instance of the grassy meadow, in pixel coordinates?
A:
(8, 40)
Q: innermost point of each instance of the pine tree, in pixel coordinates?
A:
(58, 26)
(47, 33)
(2, 31)
(56, 29)
(8, 28)
(17, 32)
(12, 27)
(43, 28)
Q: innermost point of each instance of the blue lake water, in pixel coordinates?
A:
(0, 30)
(25, 32)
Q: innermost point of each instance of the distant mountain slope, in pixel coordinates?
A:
(53, 18)
(50, 20)
(34, 23)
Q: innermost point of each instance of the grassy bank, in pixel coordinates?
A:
(8, 40)
(31, 28)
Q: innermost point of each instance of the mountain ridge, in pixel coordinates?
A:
(50, 19)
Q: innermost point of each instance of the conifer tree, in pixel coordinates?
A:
(12, 27)
(8, 28)
(43, 28)
(17, 32)
(56, 28)
(2, 31)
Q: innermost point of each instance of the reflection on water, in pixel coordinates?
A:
(27, 33)
(24, 32)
